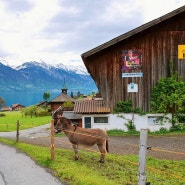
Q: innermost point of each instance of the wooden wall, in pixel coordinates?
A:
(159, 46)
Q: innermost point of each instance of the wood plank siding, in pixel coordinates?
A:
(158, 41)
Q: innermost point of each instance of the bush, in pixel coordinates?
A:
(44, 113)
(2, 114)
(163, 130)
(35, 111)
(130, 126)
(180, 126)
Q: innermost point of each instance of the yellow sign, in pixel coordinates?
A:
(181, 51)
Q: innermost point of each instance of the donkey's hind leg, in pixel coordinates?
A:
(75, 147)
(103, 151)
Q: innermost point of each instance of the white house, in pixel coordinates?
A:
(95, 114)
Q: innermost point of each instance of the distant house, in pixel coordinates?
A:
(5, 108)
(61, 99)
(42, 104)
(17, 107)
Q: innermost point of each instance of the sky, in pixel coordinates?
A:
(59, 31)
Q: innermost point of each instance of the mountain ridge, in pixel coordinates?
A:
(39, 76)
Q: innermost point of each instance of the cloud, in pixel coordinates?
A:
(80, 26)
(61, 30)
(16, 6)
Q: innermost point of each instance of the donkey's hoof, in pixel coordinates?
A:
(101, 161)
(76, 158)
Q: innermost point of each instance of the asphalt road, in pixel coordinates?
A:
(16, 168)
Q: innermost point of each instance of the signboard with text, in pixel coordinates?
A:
(132, 63)
(181, 51)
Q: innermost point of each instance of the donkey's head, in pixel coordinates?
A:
(65, 123)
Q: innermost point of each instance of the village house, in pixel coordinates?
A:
(59, 101)
(17, 107)
(5, 108)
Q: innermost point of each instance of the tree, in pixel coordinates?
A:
(35, 111)
(72, 96)
(127, 107)
(46, 96)
(31, 111)
(68, 104)
(168, 96)
(2, 102)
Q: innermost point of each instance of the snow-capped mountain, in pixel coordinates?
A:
(35, 76)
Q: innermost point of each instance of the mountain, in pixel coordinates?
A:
(38, 76)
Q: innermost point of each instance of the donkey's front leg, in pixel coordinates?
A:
(75, 147)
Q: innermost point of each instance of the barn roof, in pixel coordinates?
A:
(133, 32)
(90, 106)
(62, 98)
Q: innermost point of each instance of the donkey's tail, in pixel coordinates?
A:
(107, 145)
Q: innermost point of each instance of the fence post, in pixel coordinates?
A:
(17, 133)
(52, 140)
(142, 157)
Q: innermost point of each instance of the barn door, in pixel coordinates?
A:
(87, 122)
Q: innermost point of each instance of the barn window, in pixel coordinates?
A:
(100, 119)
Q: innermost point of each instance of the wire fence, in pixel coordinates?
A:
(149, 170)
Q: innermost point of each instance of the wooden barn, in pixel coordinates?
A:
(152, 47)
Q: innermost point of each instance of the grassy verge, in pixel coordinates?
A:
(117, 132)
(115, 171)
(9, 122)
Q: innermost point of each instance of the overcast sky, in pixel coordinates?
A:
(59, 31)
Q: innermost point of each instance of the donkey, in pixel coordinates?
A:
(84, 136)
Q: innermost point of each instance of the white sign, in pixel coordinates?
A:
(132, 87)
(140, 74)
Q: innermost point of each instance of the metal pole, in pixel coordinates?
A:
(52, 140)
(142, 157)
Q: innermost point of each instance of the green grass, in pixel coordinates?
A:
(119, 132)
(117, 170)
(9, 122)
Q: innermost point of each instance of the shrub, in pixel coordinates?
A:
(44, 113)
(180, 126)
(163, 130)
(130, 126)
(2, 114)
